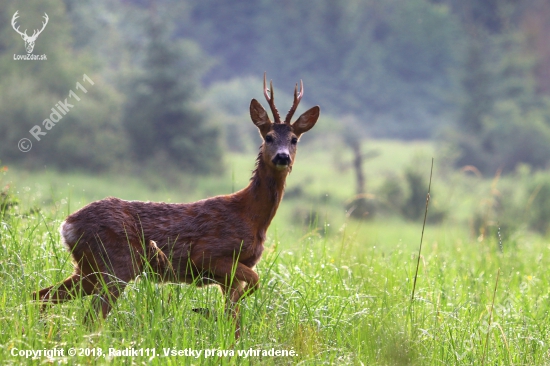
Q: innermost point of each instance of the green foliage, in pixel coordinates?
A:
(342, 298)
(59, 72)
(415, 204)
(379, 60)
(390, 64)
(229, 103)
(8, 201)
(391, 194)
(538, 204)
(339, 296)
(14, 107)
(81, 39)
(477, 98)
(502, 121)
(160, 117)
(490, 16)
(513, 136)
(405, 194)
(89, 136)
(362, 208)
(510, 137)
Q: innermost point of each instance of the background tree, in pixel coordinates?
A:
(362, 205)
(502, 120)
(89, 136)
(402, 69)
(378, 60)
(161, 117)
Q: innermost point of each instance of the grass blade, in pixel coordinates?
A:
(423, 226)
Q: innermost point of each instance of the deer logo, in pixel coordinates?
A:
(29, 41)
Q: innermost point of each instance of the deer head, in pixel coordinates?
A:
(281, 138)
(29, 41)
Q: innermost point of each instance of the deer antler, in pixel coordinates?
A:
(24, 34)
(270, 100)
(43, 26)
(13, 21)
(297, 98)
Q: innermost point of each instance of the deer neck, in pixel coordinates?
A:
(264, 193)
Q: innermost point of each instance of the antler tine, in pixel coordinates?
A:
(270, 100)
(46, 18)
(297, 98)
(14, 20)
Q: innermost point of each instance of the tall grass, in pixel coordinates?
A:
(335, 291)
(332, 299)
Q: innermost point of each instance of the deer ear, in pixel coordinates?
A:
(259, 117)
(306, 121)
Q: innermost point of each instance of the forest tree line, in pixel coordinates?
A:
(173, 79)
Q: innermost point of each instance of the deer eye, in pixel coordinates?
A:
(294, 141)
(269, 138)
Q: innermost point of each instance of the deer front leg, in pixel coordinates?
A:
(234, 287)
(233, 276)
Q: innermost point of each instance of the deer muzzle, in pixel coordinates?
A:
(281, 160)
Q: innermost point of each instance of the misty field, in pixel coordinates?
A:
(334, 290)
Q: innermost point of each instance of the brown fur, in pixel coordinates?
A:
(112, 241)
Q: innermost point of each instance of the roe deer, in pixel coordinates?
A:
(213, 241)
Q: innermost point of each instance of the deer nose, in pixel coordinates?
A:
(281, 159)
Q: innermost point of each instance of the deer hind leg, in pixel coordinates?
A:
(83, 282)
(66, 290)
(107, 292)
(115, 272)
(114, 279)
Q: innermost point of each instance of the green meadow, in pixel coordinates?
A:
(335, 290)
